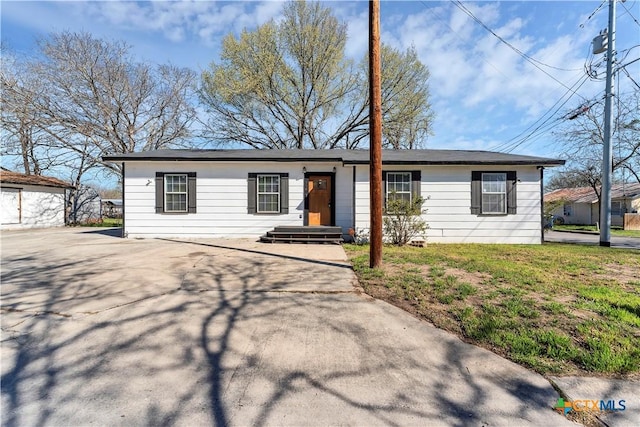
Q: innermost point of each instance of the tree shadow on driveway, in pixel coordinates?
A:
(155, 333)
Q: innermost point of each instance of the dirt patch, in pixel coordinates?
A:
(622, 274)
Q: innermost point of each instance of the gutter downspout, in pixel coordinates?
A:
(542, 218)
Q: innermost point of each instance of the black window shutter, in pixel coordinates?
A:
(476, 192)
(191, 192)
(159, 192)
(416, 183)
(512, 193)
(384, 189)
(251, 193)
(284, 193)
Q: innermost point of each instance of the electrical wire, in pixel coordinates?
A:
(528, 58)
(519, 139)
(593, 14)
(545, 126)
(445, 22)
(624, 70)
(629, 12)
(460, 38)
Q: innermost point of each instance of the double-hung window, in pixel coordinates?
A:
(268, 193)
(398, 186)
(176, 192)
(494, 193)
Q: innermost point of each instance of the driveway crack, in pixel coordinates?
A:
(124, 304)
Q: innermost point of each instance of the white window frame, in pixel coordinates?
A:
(410, 192)
(186, 192)
(259, 193)
(502, 193)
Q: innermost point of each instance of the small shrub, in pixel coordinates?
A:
(403, 220)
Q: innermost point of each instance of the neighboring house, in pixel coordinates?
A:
(580, 206)
(112, 208)
(470, 196)
(31, 201)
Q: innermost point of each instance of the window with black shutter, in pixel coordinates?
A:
(494, 193)
(268, 193)
(176, 192)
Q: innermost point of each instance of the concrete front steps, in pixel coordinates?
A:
(303, 234)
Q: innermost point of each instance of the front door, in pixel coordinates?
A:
(319, 198)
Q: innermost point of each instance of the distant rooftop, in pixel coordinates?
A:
(8, 177)
(347, 157)
(588, 195)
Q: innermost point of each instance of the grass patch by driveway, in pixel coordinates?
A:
(555, 308)
(104, 222)
(615, 231)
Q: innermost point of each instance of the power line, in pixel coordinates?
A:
(519, 139)
(445, 22)
(460, 38)
(546, 126)
(630, 14)
(593, 13)
(528, 58)
(624, 70)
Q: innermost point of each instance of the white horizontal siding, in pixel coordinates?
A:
(221, 190)
(447, 190)
(38, 207)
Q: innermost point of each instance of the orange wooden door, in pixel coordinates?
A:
(319, 191)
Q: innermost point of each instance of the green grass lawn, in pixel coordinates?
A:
(555, 308)
(106, 222)
(615, 231)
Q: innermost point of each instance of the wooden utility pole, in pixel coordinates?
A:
(375, 136)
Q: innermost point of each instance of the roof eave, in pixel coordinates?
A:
(217, 159)
(463, 163)
(545, 163)
(66, 186)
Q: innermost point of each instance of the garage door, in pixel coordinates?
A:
(10, 206)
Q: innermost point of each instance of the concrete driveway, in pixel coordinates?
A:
(108, 331)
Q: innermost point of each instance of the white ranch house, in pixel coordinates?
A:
(470, 196)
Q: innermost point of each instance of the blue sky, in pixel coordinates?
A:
(483, 93)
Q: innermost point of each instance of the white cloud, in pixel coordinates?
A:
(178, 20)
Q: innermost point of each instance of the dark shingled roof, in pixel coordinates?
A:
(348, 157)
(8, 177)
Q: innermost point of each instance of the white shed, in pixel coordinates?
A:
(31, 201)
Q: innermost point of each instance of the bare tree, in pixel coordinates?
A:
(100, 101)
(584, 139)
(289, 85)
(23, 133)
(82, 98)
